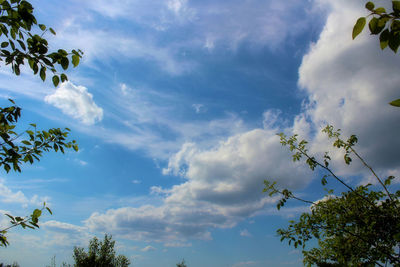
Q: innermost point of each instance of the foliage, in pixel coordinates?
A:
(181, 264)
(15, 264)
(21, 44)
(21, 41)
(100, 254)
(27, 146)
(384, 23)
(361, 227)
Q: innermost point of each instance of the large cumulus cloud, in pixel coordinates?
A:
(222, 187)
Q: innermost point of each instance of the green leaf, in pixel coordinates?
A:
(49, 210)
(43, 73)
(64, 77)
(384, 39)
(394, 41)
(36, 213)
(395, 103)
(7, 167)
(25, 142)
(42, 27)
(52, 31)
(4, 44)
(22, 44)
(380, 10)
(358, 27)
(375, 27)
(64, 63)
(75, 60)
(370, 6)
(396, 6)
(16, 70)
(56, 80)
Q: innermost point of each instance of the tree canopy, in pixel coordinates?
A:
(99, 254)
(359, 227)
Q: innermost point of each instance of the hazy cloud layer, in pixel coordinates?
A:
(215, 23)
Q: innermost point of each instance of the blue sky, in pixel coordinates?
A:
(175, 106)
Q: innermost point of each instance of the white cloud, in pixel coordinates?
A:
(148, 248)
(76, 102)
(136, 181)
(81, 162)
(62, 234)
(124, 89)
(245, 233)
(9, 196)
(199, 108)
(222, 187)
(177, 244)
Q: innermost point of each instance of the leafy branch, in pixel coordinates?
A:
(20, 44)
(362, 226)
(30, 221)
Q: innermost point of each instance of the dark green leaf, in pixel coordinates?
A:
(394, 41)
(49, 210)
(374, 26)
(56, 80)
(25, 142)
(64, 77)
(396, 6)
(384, 39)
(64, 63)
(43, 73)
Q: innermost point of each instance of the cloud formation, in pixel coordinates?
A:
(9, 196)
(349, 84)
(77, 102)
(222, 187)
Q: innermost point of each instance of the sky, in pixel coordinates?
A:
(176, 105)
